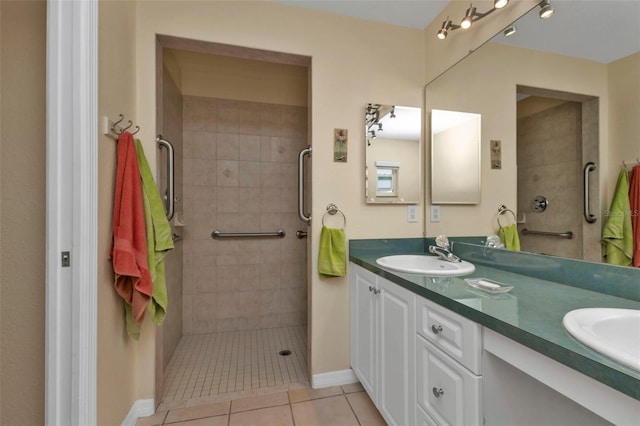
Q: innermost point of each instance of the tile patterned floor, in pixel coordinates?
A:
(216, 366)
(335, 406)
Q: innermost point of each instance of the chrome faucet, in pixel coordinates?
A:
(444, 254)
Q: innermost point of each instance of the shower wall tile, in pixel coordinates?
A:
(227, 173)
(249, 148)
(249, 174)
(549, 164)
(171, 125)
(240, 175)
(227, 147)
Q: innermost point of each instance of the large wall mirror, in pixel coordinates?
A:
(455, 157)
(392, 161)
(558, 93)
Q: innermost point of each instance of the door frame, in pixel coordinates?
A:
(72, 212)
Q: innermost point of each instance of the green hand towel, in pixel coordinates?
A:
(332, 259)
(509, 237)
(617, 234)
(159, 242)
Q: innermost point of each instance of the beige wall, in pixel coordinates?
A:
(342, 84)
(22, 212)
(241, 79)
(125, 367)
(495, 99)
(624, 117)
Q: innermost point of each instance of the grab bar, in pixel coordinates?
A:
(303, 153)
(163, 143)
(568, 235)
(589, 167)
(278, 234)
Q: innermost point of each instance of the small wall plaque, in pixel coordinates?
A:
(496, 154)
(340, 142)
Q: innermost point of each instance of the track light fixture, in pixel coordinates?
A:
(545, 9)
(510, 30)
(469, 18)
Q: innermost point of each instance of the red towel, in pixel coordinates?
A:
(129, 254)
(634, 201)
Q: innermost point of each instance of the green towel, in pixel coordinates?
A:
(617, 234)
(159, 242)
(332, 259)
(509, 237)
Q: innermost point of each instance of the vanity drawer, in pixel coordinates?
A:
(448, 392)
(455, 335)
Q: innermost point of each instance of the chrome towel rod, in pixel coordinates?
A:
(305, 152)
(163, 143)
(588, 216)
(277, 234)
(568, 235)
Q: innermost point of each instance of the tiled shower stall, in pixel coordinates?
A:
(240, 175)
(241, 301)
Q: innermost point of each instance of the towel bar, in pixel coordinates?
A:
(568, 235)
(278, 234)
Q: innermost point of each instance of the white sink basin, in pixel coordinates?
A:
(614, 333)
(425, 265)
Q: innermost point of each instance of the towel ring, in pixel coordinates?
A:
(502, 210)
(332, 209)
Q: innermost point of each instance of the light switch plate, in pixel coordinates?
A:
(435, 213)
(412, 213)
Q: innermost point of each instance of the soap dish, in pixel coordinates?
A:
(488, 286)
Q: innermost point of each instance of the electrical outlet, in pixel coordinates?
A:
(412, 214)
(435, 213)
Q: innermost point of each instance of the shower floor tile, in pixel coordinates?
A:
(214, 366)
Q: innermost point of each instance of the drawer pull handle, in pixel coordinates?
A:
(437, 392)
(376, 291)
(371, 288)
(436, 329)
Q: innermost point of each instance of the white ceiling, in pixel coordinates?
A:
(407, 13)
(599, 30)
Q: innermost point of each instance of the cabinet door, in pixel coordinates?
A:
(396, 395)
(447, 391)
(423, 419)
(363, 327)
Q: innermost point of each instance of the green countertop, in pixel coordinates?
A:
(531, 313)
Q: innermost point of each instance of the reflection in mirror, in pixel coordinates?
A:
(582, 63)
(392, 160)
(455, 157)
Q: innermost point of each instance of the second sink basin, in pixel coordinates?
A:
(613, 332)
(425, 265)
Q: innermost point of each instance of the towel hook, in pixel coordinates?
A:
(125, 129)
(137, 130)
(114, 125)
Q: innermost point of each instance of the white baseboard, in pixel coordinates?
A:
(140, 408)
(333, 378)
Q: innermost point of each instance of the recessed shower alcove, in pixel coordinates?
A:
(237, 117)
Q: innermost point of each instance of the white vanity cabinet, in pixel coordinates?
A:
(383, 343)
(419, 362)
